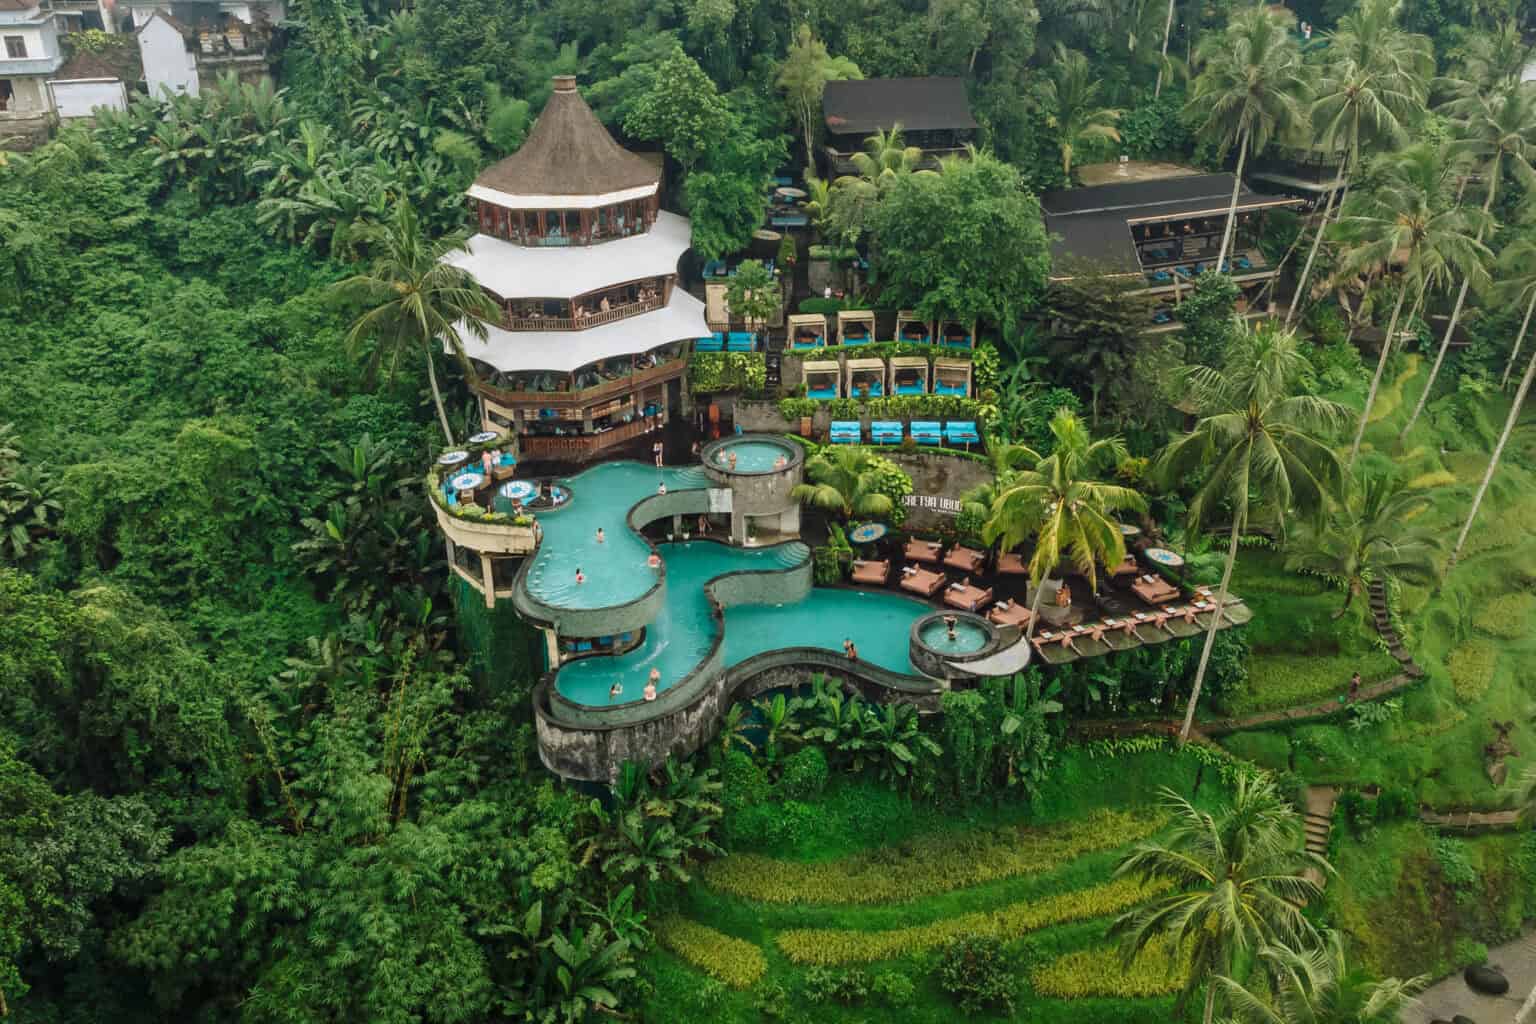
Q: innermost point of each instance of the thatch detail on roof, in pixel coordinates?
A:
(568, 153)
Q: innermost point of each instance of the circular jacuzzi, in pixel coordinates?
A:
(942, 642)
(752, 455)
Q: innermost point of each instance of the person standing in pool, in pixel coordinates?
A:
(650, 684)
(600, 537)
(654, 561)
(732, 459)
(850, 650)
(949, 624)
(614, 691)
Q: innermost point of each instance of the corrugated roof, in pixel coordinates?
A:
(917, 104)
(568, 153)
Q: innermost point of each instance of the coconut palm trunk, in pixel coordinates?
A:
(437, 397)
(1205, 653)
(1381, 366)
(1461, 298)
(1498, 450)
(1317, 243)
(1157, 90)
(1519, 340)
(1237, 185)
(1034, 609)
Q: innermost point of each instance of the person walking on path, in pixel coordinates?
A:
(1354, 687)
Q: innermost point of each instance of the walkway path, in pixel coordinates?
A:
(1470, 821)
(1317, 819)
(1451, 996)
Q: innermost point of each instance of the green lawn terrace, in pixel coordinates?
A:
(665, 593)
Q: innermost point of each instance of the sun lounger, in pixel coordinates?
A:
(1012, 564)
(824, 393)
(885, 432)
(967, 560)
(808, 341)
(740, 341)
(873, 574)
(845, 432)
(970, 599)
(925, 432)
(930, 551)
(910, 387)
(1154, 590)
(961, 432)
(1009, 613)
(1127, 567)
(714, 343)
(922, 581)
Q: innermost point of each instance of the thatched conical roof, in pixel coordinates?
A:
(568, 153)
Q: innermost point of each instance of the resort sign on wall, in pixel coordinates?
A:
(933, 503)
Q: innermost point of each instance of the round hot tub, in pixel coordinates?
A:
(942, 642)
(752, 455)
(760, 471)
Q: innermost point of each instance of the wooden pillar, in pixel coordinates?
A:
(489, 579)
(551, 647)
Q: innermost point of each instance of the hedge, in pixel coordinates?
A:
(828, 946)
(926, 866)
(733, 961)
(1100, 972)
(1471, 666)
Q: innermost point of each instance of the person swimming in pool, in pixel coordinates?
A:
(650, 684)
(614, 691)
(661, 488)
(850, 650)
(731, 458)
(600, 537)
(581, 577)
(780, 462)
(949, 624)
(654, 561)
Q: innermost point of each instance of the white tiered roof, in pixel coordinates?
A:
(564, 271)
(563, 351)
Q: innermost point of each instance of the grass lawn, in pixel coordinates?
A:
(725, 958)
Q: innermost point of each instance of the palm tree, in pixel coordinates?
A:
(1498, 132)
(415, 301)
(1236, 883)
(1498, 450)
(1252, 89)
(1257, 443)
(1058, 502)
(886, 158)
(1317, 986)
(845, 481)
(1405, 221)
(1374, 83)
(1369, 536)
(1489, 61)
(1517, 287)
(1071, 100)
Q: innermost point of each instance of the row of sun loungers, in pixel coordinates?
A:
(954, 432)
(721, 341)
(1154, 590)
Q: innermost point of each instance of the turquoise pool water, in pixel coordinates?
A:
(682, 634)
(968, 637)
(615, 570)
(751, 456)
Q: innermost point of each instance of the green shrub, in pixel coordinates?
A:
(727, 371)
(1469, 952)
(1507, 616)
(1396, 803)
(794, 408)
(1097, 973)
(1471, 666)
(772, 1001)
(974, 972)
(730, 960)
(805, 774)
(892, 988)
(771, 824)
(826, 946)
(824, 985)
(1455, 865)
(829, 565)
(928, 865)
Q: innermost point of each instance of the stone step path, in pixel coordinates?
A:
(1451, 996)
(1317, 821)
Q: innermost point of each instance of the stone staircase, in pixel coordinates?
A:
(690, 478)
(1378, 600)
(1317, 820)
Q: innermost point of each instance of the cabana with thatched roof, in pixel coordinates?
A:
(807, 330)
(952, 377)
(866, 378)
(911, 329)
(822, 377)
(855, 326)
(909, 375)
(956, 334)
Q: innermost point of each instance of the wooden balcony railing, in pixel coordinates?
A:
(580, 446)
(565, 323)
(586, 396)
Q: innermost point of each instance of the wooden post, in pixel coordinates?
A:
(489, 579)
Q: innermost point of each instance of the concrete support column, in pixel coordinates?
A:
(551, 647)
(677, 525)
(738, 528)
(489, 579)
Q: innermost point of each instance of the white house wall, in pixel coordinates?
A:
(83, 97)
(167, 63)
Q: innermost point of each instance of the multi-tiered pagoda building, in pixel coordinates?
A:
(573, 245)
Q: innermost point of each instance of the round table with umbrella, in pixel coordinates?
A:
(1128, 530)
(518, 490)
(484, 437)
(1162, 556)
(453, 458)
(468, 481)
(867, 533)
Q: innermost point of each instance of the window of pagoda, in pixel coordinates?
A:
(568, 227)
